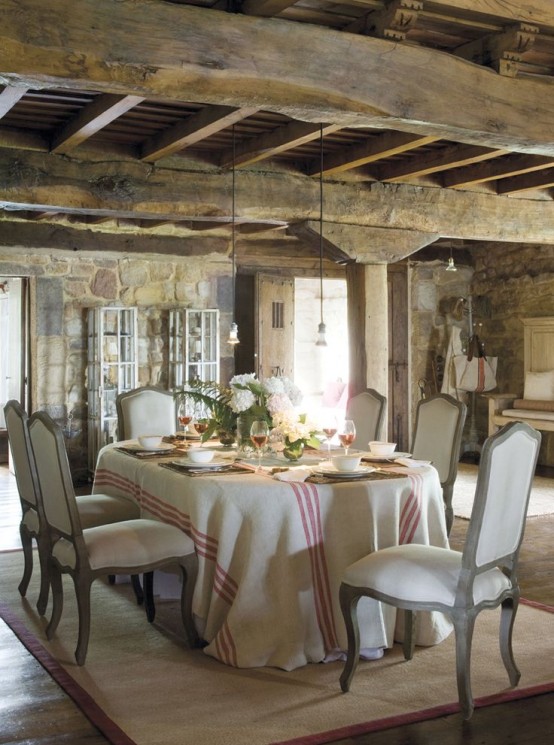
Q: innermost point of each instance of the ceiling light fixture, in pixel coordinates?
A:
(234, 329)
(451, 266)
(321, 330)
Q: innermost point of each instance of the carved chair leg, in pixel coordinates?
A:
(463, 629)
(57, 600)
(137, 587)
(447, 493)
(409, 634)
(27, 544)
(82, 591)
(43, 543)
(149, 605)
(349, 598)
(507, 619)
(189, 570)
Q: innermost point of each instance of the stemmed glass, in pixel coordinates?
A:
(347, 434)
(184, 414)
(259, 433)
(330, 430)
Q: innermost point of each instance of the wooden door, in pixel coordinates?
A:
(399, 389)
(275, 328)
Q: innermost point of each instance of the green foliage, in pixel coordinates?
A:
(215, 398)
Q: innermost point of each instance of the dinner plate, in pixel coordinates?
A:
(212, 465)
(383, 458)
(334, 472)
(163, 448)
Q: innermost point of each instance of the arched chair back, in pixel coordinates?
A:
(437, 437)
(367, 410)
(33, 524)
(483, 576)
(146, 410)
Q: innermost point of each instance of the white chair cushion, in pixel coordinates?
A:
(101, 509)
(133, 543)
(30, 521)
(416, 573)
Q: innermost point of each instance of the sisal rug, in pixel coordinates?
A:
(142, 678)
(540, 503)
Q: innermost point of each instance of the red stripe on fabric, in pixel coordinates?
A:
(539, 606)
(224, 585)
(84, 701)
(307, 499)
(225, 646)
(411, 512)
(480, 375)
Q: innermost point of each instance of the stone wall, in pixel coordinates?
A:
(64, 286)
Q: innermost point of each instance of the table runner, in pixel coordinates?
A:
(271, 553)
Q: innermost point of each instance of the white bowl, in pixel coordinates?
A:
(200, 455)
(346, 462)
(382, 448)
(150, 442)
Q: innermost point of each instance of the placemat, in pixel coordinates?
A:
(230, 469)
(373, 476)
(134, 453)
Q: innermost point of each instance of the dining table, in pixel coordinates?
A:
(272, 551)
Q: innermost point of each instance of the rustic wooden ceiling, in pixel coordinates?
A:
(57, 112)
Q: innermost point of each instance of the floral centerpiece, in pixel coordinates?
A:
(273, 400)
(294, 431)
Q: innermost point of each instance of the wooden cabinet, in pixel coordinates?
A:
(193, 346)
(112, 369)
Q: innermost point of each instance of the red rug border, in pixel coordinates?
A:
(117, 736)
(82, 699)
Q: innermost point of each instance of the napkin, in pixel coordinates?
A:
(296, 473)
(411, 463)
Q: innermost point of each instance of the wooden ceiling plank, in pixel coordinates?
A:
(270, 144)
(502, 51)
(423, 164)
(539, 11)
(529, 182)
(380, 146)
(197, 127)
(501, 168)
(91, 119)
(9, 97)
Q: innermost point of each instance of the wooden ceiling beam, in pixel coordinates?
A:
(269, 145)
(183, 53)
(197, 127)
(510, 165)
(265, 7)
(392, 21)
(380, 146)
(433, 162)
(9, 97)
(91, 119)
(502, 51)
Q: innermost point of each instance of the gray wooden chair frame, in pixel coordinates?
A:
(373, 405)
(33, 523)
(73, 544)
(145, 392)
(476, 559)
(441, 446)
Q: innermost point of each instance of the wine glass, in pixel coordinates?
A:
(184, 414)
(201, 425)
(347, 433)
(330, 428)
(259, 433)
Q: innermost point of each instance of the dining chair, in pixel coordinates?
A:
(94, 509)
(458, 583)
(145, 410)
(367, 410)
(136, 546)
(437, 437)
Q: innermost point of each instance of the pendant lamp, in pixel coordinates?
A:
(451, 267)
(321, 341)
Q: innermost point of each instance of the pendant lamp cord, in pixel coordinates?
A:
(233, 221)
(321, 220)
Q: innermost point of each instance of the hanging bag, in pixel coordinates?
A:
(475, 373)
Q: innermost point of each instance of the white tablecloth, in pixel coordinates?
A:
(271, 553)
